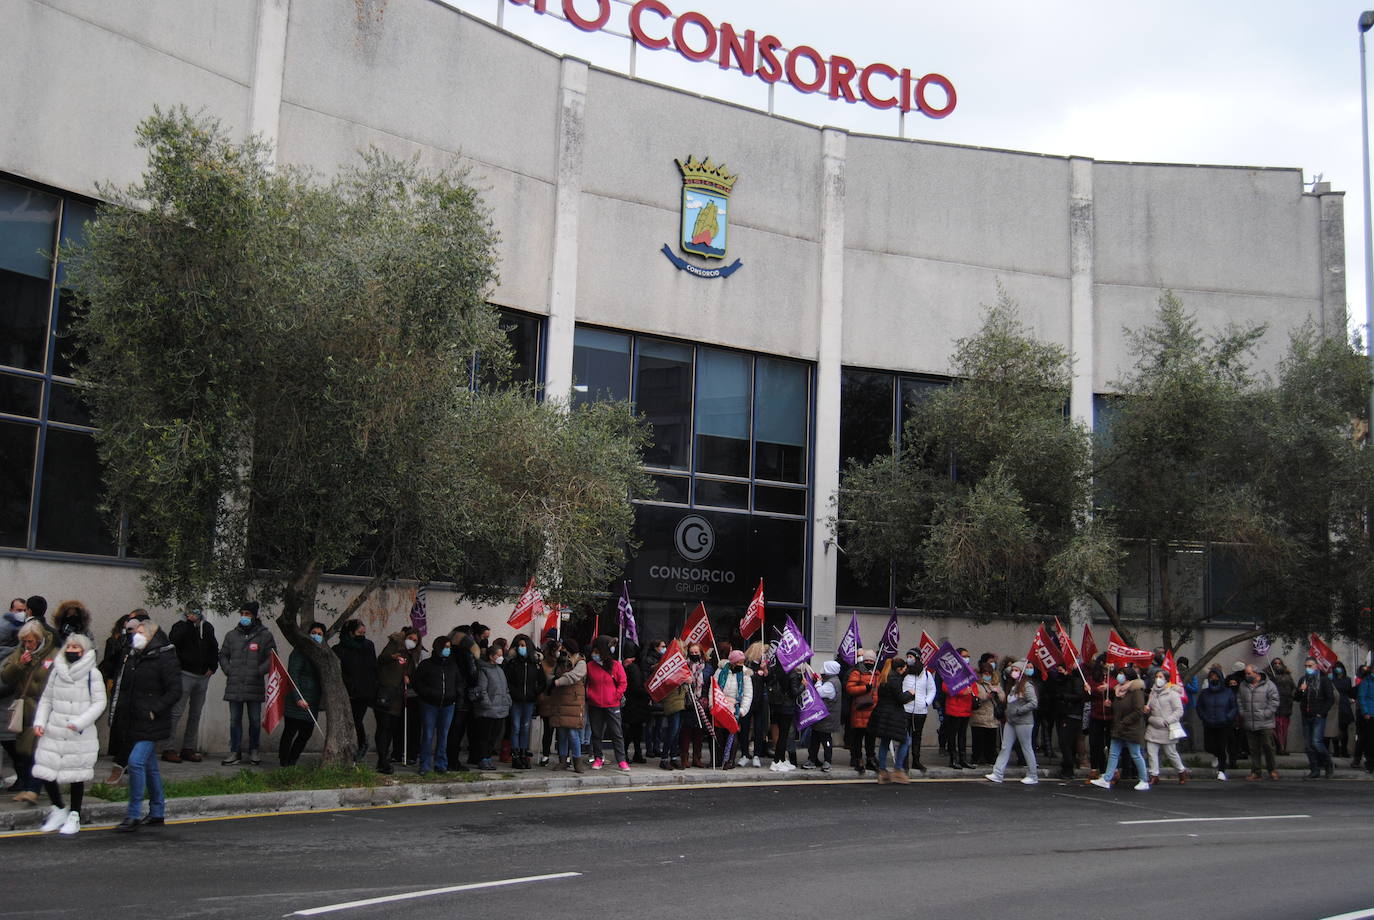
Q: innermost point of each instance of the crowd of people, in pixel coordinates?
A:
(466, 700)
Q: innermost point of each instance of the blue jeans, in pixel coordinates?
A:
(434, 725)
(143, 773)
(902, 750)
(569, 742)
(521, 715)
(672, 731)
(1142, 772)
(236, 708)
(1314, 739)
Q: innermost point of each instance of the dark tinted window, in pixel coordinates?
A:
(781, 396)
(663, 395)
(601, 366)
(17, 443)
(67, 515)
(722, 421)
(20, 395)
(865, 415)
(722, 494)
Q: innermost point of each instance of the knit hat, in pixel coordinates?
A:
(571, 645)
(830, 668)
(250, 606)
(737, 657)
(867, 654)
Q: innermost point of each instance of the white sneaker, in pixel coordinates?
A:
(1030, 781)
(1221, 776)
(778, 766)
(1100, 783)
(72, 825)
(787, 766)
(754, 762)
(56, 817)
(1142, 786)
(993, 778)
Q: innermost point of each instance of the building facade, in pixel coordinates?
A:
(861, 260)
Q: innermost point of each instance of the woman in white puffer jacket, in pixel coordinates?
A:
(64, 723)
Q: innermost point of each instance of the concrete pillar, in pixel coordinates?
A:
(567, 202)
(1331, 236)
(269, 65)
(1081, 305)
(824, 553)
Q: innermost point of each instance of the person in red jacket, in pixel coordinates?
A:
(958, 709)
(859, 688)
(606, 685)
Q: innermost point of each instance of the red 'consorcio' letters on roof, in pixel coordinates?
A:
(695, 37)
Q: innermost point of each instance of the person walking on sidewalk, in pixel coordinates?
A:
(889, 722)
(245, 657)
(1019, 729)
(304, 701)
(198, 655)
(147, 689)
(1316, 696)
(64, 724)
(1258, 699)
(1128, 727)
(1165, 712)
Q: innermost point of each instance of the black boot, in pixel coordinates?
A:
(953, 762)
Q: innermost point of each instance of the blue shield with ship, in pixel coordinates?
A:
(706, 191)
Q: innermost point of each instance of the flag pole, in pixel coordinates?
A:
(298, 691)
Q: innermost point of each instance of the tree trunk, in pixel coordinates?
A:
(298, 605)
(1206, 657)
(1112, 614)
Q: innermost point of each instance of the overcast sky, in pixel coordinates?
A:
(1256, 83)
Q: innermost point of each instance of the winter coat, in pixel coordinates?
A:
(148, 687)
(1021, 706)
(75, 695)
(988, 692)
(606, 683)
(1258, 703)
(1166, 708)
(1069, 697)
(1217, 705)
(922, 689)
(738, 691)
(493, 700)
(1287, 688)
(116, 647)
(1318, 698)
(569, 693)
(438, 681)
(676, 700)
(859, 689)
(358, 662)
(27, 682)
(306, 677)
(524, 677)
(637, 706)
(1128, 716)
(1345, 695)
(1364, 695)
(9, 641)
(961, 703)
(888, 719)
(545, 705)
(782, 690)
(393, 669)
(197, 649)
(831, 722)
(245, 657)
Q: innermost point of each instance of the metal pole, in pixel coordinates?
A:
(1367, 21)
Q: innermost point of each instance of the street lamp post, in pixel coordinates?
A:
(1366, 23)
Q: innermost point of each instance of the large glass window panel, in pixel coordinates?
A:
(17, 444)
(780, 500)
(523, 332)
(601, 366)
(674, 489)
(781, 409)
(68, 518)
(855, 588)
(865, 415)
(916, 390)
(722, 420)
(20, 395)
(778, 555)
(28, 230)
(722, 494)
(67, 405)
(663, 395)
(24, 302)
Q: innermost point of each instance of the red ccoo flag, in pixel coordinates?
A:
(1120, 654)
(721, 711)
(1321, 653)
(530, 605)
(698, 630)
(1043, 655)
(670, 674)
(1070, 654)
(927, 647)
(753, 616)
(1089, 645)
(274, 706)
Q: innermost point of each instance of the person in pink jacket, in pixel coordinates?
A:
(606, 683)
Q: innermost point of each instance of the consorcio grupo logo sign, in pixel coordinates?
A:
(694, 36)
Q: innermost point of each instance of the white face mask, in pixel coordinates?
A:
(1159, 681)
(410, 644)
(139, 640)
(1015, 675)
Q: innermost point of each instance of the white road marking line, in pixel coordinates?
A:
(1354, 915)
(1237, 818)
(392, 898)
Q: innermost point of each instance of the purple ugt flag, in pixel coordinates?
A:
(628, 628)
(419, 611)
(953, 671)
(792, 647)
(850, 643)
(810, 707)
(891, 640)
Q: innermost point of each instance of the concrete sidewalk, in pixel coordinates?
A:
(401, 788)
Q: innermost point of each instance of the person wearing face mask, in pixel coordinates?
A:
(654, 721)
(735, 687)
(692, 732)
(64, 724)
(753, 735)
(920, 683)
(1345, 711)
(989, 710)
(10, 622)
(958, 711)
(1283, 680)
(1315, 697)
(821, 746)
(544, 706)
(1216, 707)
(1128, 727)
(568, 690)
(889, 723)
(491, 707)
(26, 672)
(245, 657)
(525, 679)
(117, 647)
(302, 706)
(606, 686)
(636, 709)
(1364, 719)
(437, 684)
(145, 692)
(198, 655)
(358, 662)
(1164, 711)
(860, 688)
(394, 671)
(1258, 700)
(1019, 730)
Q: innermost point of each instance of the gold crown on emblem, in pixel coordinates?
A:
(705, 175)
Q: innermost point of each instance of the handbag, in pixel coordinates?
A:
(1177, 731)
(16, 720)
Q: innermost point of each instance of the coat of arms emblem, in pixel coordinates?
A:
(705, 222)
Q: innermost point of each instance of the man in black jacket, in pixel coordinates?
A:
(1316, 695)
(148, 687)
(198, 656)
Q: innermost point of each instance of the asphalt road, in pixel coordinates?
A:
(808, 850)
